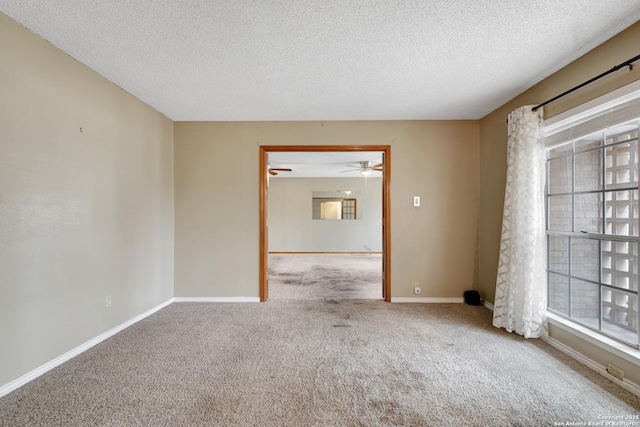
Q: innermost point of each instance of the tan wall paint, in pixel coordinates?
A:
(493, 149)
(83, 214)
(292, 229)
(493, 134)
(86, 214)
(217, 250)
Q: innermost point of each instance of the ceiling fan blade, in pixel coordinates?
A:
(377, 167)
(280, 169)
(350, 170)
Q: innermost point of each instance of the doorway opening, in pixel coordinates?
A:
(384, 168)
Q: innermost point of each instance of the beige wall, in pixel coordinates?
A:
(292, 229)
(493, 143)
(493, 134)
(217, 250)
(86, 203)
(87, 196)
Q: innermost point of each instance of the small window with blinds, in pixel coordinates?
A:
(593, 220)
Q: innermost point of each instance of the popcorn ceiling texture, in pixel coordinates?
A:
(325, 60)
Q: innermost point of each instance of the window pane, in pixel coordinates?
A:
(558, 248)
(588, 174)
(620, 315)
(622, 165)
(558, 293)
(588, 213)
(590, 141)
(563, 150)
(585, 302)
(621, 213)
(585, 258)
(622, 132)
(560, 212)
(620, 264)
(560, 175)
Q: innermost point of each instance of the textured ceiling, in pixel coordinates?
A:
(325, 59)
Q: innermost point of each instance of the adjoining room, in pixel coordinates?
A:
(325, 225)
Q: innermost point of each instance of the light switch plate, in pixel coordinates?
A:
(416, 200)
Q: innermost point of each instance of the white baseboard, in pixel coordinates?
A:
(430, 300)
(29, 376)
(216, 299)
(624, 383)
(605, 343)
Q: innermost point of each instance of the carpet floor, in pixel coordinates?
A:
(317, 363)
(325, 276)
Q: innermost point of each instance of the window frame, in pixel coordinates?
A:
(561, 123)
(603, 310)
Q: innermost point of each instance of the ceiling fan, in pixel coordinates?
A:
(274, 171)
(365, 167)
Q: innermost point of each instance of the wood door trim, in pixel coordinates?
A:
(264, 254)
(325, 253)
(386, 206)
(386, 223)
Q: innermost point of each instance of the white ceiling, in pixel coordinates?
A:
(325, 59)
(323, 164)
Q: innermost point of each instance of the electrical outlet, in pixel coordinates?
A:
(615, 371)
(416, 288)
(108, 303)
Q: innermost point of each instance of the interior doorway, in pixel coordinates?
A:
(384, 168)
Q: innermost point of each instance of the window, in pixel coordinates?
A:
(348, 208)
(334, 208)
(593, 223)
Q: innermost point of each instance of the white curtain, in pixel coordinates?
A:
(521, 293)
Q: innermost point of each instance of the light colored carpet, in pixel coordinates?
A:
(325, 276)
(317, 363)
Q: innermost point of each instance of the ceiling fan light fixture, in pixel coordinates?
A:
(365, 172)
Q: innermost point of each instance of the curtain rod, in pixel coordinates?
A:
(616, 68)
